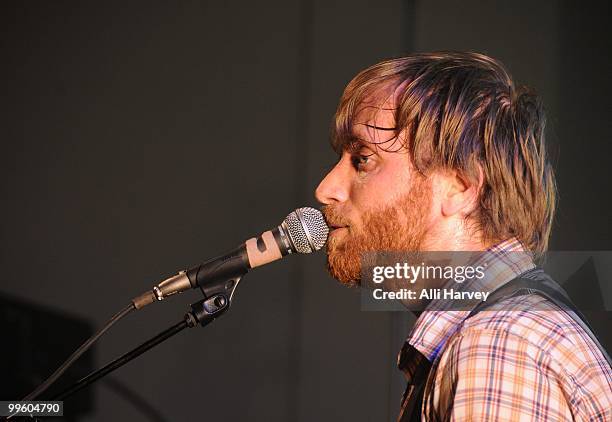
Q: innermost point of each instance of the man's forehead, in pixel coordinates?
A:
(378, 105)
(374, 121)
(375, 114)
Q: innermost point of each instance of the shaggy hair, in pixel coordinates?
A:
(463, 112)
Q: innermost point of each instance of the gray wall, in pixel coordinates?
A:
(143, 139)
(140, 139)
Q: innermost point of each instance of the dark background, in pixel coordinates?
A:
(139, 138)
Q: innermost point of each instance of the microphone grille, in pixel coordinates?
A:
(307, 229)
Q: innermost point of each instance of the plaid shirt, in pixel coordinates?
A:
(524, 360)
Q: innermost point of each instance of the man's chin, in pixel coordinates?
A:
(346, 271)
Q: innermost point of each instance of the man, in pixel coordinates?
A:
(442, 152)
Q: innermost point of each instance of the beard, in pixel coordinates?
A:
(397, 227)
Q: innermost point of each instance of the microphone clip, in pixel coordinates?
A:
(217, 300)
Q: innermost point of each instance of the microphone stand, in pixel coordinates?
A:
(203, 312)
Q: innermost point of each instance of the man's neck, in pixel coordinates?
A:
(453, 235)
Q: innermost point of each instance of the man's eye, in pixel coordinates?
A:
(360, 162)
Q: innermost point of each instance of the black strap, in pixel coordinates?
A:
(416, 367)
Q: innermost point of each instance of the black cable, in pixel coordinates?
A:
(77, 353)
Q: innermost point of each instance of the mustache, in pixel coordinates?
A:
(334, 217)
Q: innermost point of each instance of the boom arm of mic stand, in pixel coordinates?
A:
(203, 312)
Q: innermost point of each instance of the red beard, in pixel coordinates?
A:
(398, 227)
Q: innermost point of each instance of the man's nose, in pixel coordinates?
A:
(335, 186)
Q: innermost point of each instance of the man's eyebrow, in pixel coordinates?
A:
(356, 143)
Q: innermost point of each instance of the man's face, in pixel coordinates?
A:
(374, 199)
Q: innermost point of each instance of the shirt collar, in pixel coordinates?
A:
(434, 326)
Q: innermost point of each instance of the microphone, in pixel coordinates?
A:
(303, 231)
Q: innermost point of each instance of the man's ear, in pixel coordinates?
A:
(461, 192)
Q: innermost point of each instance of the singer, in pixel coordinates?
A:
(444, 152)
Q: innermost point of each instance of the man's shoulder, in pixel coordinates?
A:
(550, 337)
(532, 318)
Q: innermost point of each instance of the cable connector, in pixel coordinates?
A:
(144, 299)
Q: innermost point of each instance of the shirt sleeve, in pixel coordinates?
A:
(494, 375)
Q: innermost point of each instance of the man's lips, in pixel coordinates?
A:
(335, 229)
